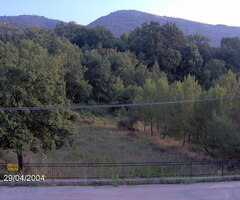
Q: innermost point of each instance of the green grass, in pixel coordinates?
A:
(100, 143)
(188, 181)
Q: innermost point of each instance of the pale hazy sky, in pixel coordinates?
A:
(85, 11)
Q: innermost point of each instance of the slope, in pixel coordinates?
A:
(29, 20)
(123, 21)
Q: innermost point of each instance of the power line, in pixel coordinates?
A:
(111, 106)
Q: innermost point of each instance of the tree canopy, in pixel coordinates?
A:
(81, 65)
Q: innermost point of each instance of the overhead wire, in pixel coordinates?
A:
(112, 106)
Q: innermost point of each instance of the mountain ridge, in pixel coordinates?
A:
(124, 21)
(30, 20)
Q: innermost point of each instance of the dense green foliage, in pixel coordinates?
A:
(82, 35)
(81, 65)
(31, 77)
(213, 124)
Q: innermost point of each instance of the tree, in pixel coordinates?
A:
(205, 111)
(162, 44)
(8, 32)
(8, 54)
(83, 35)
(121, 94)
(123, 64)
(233, 43)
(104, 66)
(191, 63)
(212, 71)
(231, 83)
(99, 75)
(173, 37)
(146, 94)
(223, 139)
(217, 122)
(162, 111)
(229, 53)
(156, 73)
(78, 90)
(203, 46)
(170, 62)
(147, 42)
(141, 74)
(192, 91)
(183, 113)
(176, 110)
(34, 81)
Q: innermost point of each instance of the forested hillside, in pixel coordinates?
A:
(125, 21)
(29, 20)
(75, 64)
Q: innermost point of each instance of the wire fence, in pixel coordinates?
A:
(57, 171)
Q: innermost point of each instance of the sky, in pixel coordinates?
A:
(85, 11)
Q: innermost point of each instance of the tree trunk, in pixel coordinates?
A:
(145, 126)
(189, 138)
(184, 141)
(151, 126)
(165, 125)
(205, 140)
(20, 160)
(184, 135)
(158, 128)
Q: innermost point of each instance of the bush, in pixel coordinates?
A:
(223, 139)
(126, 124)
(74, 117)
(2, 173)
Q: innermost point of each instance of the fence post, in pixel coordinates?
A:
(191, 170)
(88, 171)
(222, 167)
(158, 171)
(52, 172)
(23, 168)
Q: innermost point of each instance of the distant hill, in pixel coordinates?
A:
(127, 20)
(29, 20)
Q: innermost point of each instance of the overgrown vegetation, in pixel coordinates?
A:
(103, 141)
(79, 65)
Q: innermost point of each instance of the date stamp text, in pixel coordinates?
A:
(25, 178)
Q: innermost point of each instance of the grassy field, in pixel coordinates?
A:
(98, 139)
(103, 141)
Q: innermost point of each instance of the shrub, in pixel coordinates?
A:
(126, 124)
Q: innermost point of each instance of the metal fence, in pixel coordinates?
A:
(54, 171)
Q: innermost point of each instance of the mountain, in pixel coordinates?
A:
(29, 20)
(123, 21)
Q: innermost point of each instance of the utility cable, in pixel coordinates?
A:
(112, 106)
